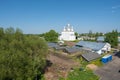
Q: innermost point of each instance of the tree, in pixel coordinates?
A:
(21, 57)
(1, 32)
(90, 33)
(76, 34)
(98, 34)
(112, 38)
(51, 36)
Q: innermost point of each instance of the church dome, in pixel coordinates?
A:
(68, 27)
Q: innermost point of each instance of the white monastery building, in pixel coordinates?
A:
(67, 34)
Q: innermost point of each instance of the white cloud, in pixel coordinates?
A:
(116, 7)
(113, 11)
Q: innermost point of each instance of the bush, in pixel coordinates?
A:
(21, 57)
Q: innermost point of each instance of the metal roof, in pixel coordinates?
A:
(52, 44)
(90, 56)
(55, 46)
(92, 45)
(73, 49)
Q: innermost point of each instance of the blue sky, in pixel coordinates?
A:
(39, 16)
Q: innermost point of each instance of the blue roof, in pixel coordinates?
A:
(100, 38)
(92, 45)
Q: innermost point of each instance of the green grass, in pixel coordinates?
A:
(97, 62)
(82, 75)
(76, 41)
(78, 74)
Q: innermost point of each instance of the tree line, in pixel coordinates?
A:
(91, 34)
(112, 38)
(50, 36)
(21, 57)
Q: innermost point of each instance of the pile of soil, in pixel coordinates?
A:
(92, 66)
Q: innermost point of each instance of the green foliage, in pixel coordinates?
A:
(42, 77)
(82, 73)
(21, 57)
(76, 41)
(91, 34)
(76, 34)
(61, 78)
(112, 38)
(50, 36)
(97, 62)
(78, 74)
(83, 62)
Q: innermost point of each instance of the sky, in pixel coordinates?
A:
(40, 16)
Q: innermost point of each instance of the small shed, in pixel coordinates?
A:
(90, 56)
(106, 58)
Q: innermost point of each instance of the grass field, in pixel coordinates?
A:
(79, 74)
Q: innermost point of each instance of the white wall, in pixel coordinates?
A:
(99, 52)
(68, 36)
(106, 48)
